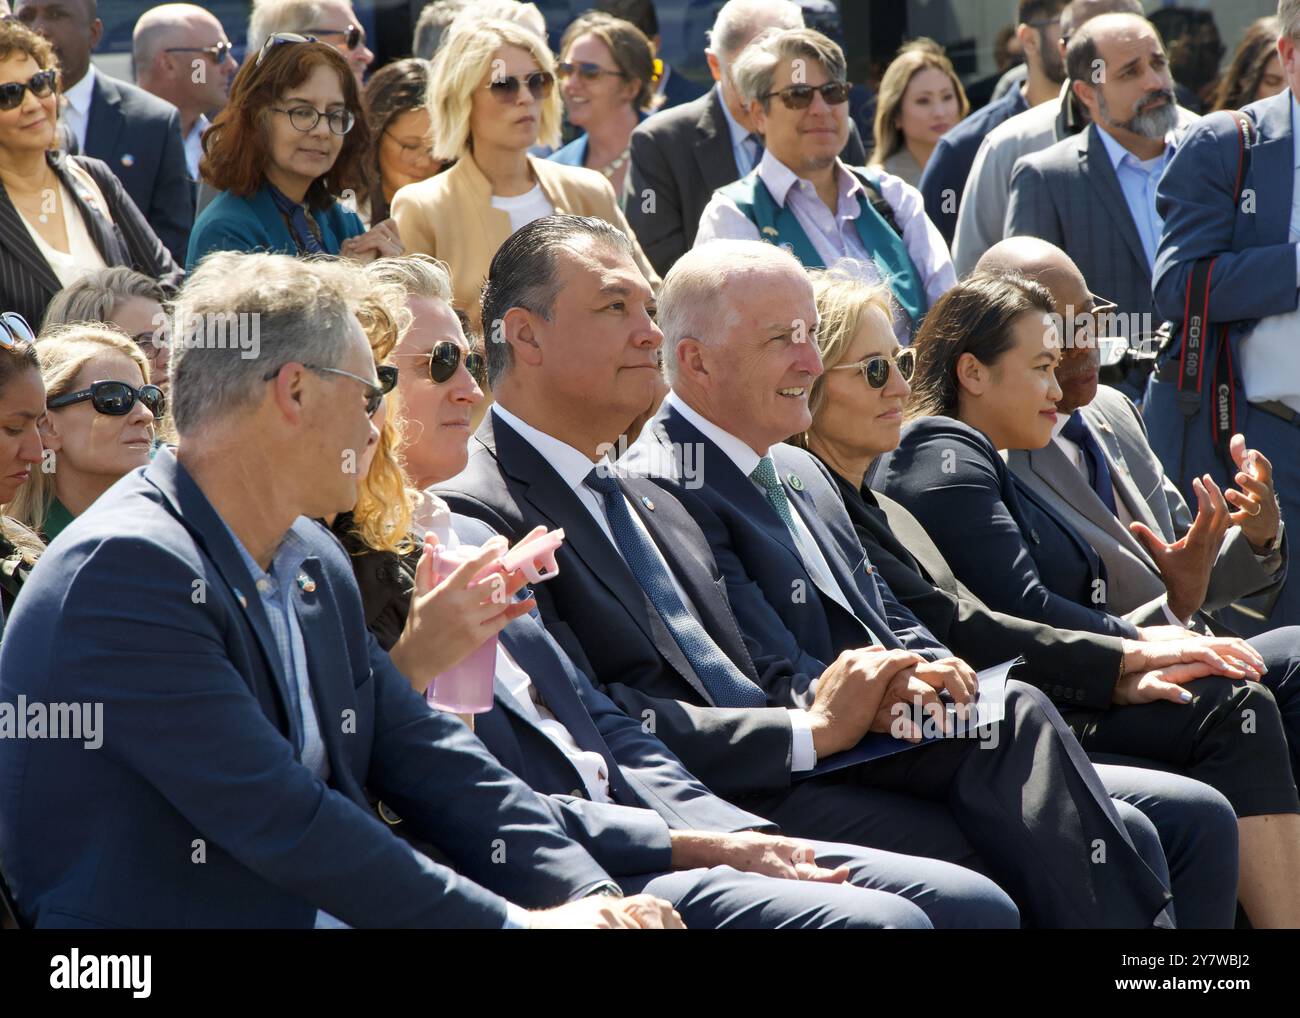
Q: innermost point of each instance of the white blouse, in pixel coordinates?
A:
(82, 256)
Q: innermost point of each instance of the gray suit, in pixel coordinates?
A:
(1151, 498)
(1068, 194)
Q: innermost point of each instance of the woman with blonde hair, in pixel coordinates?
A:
(919, 100)
(491, 98)
(22, 403)
(100, 416)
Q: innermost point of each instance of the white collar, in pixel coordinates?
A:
(572, 466)
(739, 452)
(1117, 152)
(199, 127)
(738, 133)
(1061, 421)
(779, 179)
(80, 94)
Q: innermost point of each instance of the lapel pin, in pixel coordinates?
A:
(239, 595)
(306, 583)
(128, 160)
(769, 231)
(645, 501)
(795, 483)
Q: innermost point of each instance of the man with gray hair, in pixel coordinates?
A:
(1094, 195)
(248, 709)
(803, 197)
(333, 22)
(181, 54)
(680, 156)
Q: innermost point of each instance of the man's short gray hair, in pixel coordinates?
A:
(1288, 16)
(740, 20)
(416, 275)
(693, 302)
(755, 68)
(271, 16)
(301, 310)
(435, 19)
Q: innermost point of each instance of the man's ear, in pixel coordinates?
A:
(518, 328)
(1085, 93)
(96, 33)
(1029, 39)
(715, 68)
(972, 375)
(287, 391)
(691, 360)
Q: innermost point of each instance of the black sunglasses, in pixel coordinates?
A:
(352, 34)
(876, 369)
(115, 399)
(539, 85)
(444, 359)
(585, 70)
(40, 84)
(800, 97)
(279, 39)
(14, 330)
(219, 53)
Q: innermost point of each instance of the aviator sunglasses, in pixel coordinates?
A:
(444, 359)
(539, 85)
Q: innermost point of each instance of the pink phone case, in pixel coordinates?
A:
(535, 557)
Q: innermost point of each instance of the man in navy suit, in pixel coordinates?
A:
(1232, 210)
(246, 712)
(639, 603)
(137, 134)
(741, 367)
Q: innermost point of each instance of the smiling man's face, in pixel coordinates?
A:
(806, 140)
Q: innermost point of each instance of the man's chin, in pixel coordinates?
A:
(1077, 393)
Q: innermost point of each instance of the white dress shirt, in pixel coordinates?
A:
(524, 208)
(194, 145)
(76, 111)
(1270, 368)
(1137, 181)
(573, 468)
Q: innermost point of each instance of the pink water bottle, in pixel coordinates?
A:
(465, 688)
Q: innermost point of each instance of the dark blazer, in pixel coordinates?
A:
(139, 136)
(26, 280)
(777, 601)
(1074, 669)
(1003, 542)
(600, 615)
(198, 748)
(682, 155)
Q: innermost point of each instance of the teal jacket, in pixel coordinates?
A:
(231, 223)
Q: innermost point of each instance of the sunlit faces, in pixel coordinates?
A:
(1137, 93)
(436, 426)
(30, 125)
(332, 28)
(142, 319)
(805, 140)
(587, 102)
(1080, 364)
(761, 368)
(1013, 400)
(196, 74)
(90, 444)
(22, 404)
(510, 125)
(854, 418)
(929, 108)
(297, 157)
(404, 151)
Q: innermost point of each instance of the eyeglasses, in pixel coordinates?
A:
(40, 84)
(279, 39)
(418, 154)
(14, 330)
(444, 359)
(800, 97)
(585, 70)
(305, 118)
(539, 85)
(354, 35)
(114, 399)
(151, 344)
(374, 393)
(219, 53)
(876, 369)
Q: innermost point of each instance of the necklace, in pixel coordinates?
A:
(617, 164)
(42, 195)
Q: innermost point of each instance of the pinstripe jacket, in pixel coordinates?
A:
(26, 280)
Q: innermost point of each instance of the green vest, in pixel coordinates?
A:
(778, 225)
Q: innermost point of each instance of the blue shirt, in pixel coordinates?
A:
(744, 149)
(1138, 179)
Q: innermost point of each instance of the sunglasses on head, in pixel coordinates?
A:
(353, 35)
(40, 84)
(585, 70)
(14, 330)
(115, 399)
(280, 39)
(539, 85)
(876, 369)
(800, 97)
(219, 53)
(444, 359)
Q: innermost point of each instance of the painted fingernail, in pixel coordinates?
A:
(1185, 695)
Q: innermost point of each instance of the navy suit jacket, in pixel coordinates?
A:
(598, 612)
(1008, 546)
(195, 811)
(1254, 272)
(653, 790)
(139, 136)
(776, 599)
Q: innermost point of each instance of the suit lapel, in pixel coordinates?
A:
(17, 243)
(1053, 467)
(110, 248)
(713, 152)
(906, 532)
(1095, 165)
(104, 121)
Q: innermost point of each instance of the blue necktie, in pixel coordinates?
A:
(300, 226)
(726, 684)
(1077, 431)
(754, 149)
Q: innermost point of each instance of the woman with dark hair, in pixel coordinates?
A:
(401, 152)
(61, 216)
(22, 404)
(985, 382)
(289, 146)
(1256, 69)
